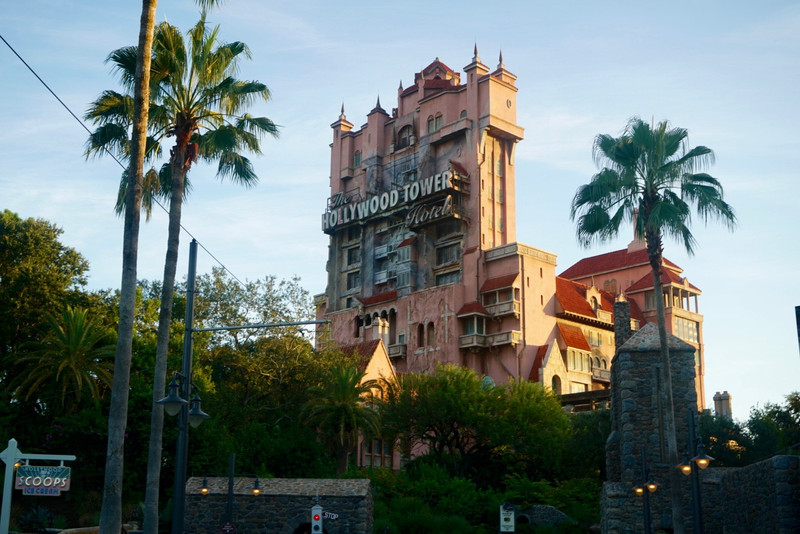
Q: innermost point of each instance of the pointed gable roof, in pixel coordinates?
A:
(610, 262)
(363, 352)
(572, 297)
(537, 363)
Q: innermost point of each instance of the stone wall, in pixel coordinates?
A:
(282, 506)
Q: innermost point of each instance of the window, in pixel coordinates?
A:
(453, 277)
(405, 137)
(431, 125)
(686, 329)
(420, 335)
(353, 233)
(431, 335)
(438, 121)
(448, 254)
(403, 279)
(463, 114)
(610, 286)
(474, 325)
(498, 169)
(404, 253)
(401, 339)
(357, 159)
(376, 453)
(353, 255)
(353, 279)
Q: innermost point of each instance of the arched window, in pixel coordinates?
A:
(420, 335)
(438, 121)
(556, 385)
(431, 125)
(357, 159)
(405, 137)
(431, 335)
(463, 114)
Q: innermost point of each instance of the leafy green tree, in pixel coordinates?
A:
(74, 357)
(38, 275)
(649, 176)
(775, 428)
(725, 440)
(340, 408)
(196, 99)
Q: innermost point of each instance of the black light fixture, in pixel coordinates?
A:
(173, 402)
(702, 459)
(204, 488)
(196, 415)
(686, 466)
(256, 489)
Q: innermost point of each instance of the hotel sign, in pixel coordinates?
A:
(343, 209)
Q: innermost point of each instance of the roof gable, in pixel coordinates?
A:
(610, 262)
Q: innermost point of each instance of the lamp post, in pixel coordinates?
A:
(644, 489)
(176, 403)
(690, 467)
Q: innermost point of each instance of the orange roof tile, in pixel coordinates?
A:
(572, 296)
(667, 277)
(363, 351)
(573, 337)
(472, 308)
(380, 297)
(611, 261)
(499, 282)
(537, 363)
(407, 241)
(458, 168)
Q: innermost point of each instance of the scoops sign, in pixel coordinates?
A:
(42, 480)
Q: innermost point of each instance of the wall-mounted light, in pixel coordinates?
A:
(204, 488)
(256, 489)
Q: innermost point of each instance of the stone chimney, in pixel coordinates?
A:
(622, 322)
(722, 405)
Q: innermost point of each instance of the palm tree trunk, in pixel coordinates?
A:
(162, 343)
(669, 405)
(111, 510)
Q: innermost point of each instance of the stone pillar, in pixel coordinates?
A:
(637, 423)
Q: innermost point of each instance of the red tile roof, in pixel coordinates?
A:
(458, 168)
(572, 296)
(362, 351)
(380, 297)
(573, 337)
(407, 241)
(537, 363)
(667, 277)
(472, 308)
(611, 261)
(499, 282)
(436, 63)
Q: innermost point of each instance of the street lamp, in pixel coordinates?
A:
(647, 486)
(690, 468)
(176, 403)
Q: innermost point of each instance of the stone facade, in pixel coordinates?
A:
(282, 507)
(760, 498)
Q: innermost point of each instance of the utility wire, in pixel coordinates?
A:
(114, 157)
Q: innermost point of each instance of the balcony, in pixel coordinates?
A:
(381, 251)
(381, 277)
(398, 350)
(601, 375)
(470, 341)
(511, 307)
(509, 337)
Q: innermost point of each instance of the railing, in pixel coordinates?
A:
(472, 340)
(509, 337)
(398, 350)
(601, 375)
(511, 307)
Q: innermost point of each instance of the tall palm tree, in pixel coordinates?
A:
(650, 176)
(195, 98)
(340, 406)
(74, 356)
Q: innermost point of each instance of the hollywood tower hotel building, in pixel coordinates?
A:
(423, 252)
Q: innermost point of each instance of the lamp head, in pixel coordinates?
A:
(702, 459)
(196, 415)
(173, 402)
(204, 488)
(256, 489)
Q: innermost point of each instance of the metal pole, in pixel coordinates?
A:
(229, 507)
(697, 511)
(646, 494)
(181, 456)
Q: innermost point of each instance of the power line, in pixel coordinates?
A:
(114, 157)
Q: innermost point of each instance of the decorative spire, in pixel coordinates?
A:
(475, 57)
(401, 86)
(341, 116)
(500, 65)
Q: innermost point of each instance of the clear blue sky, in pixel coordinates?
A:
(728, 71)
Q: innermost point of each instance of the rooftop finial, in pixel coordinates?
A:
(341, 116)
(500, 65)
(401, 85)
(475, 56)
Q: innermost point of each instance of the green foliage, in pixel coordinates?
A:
(37, 518)
(586, 445)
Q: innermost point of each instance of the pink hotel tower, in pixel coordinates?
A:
(423, 254)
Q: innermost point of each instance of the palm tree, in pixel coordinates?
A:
(75, 356)
(196, 99)
(340, 406)
(650, 176)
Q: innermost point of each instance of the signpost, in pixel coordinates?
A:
(507, 517)
(33, 480)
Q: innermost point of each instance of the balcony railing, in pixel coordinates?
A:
(509, 337)
(398, 350)
(511, 307)
(472, 340)
(601, 375)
